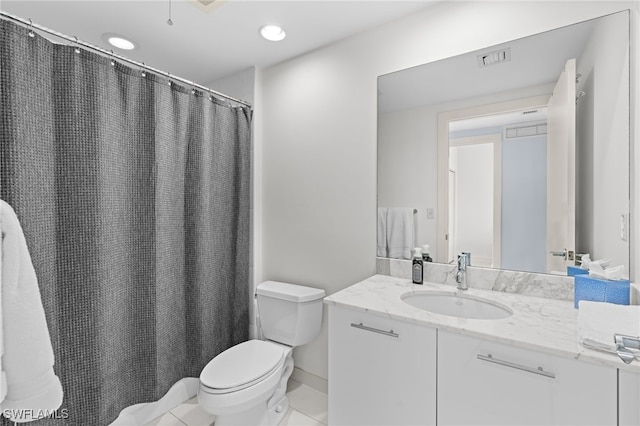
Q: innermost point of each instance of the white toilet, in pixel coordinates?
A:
(247, 384)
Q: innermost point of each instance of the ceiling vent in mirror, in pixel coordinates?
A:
(495, 57)
(526, 130)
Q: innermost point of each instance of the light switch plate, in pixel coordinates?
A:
(624, 229)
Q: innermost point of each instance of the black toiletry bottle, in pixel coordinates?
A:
(417, 266)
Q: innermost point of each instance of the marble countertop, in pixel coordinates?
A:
(537, 323)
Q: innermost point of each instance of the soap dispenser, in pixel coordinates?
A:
(417, 266)
(426, 256)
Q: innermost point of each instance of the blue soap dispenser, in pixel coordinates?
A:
(417, 266)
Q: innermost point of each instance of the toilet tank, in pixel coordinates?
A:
(289, 313)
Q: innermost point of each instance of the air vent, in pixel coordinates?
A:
(495, 57)
(527, 130)
(531, 111)
(207, 5)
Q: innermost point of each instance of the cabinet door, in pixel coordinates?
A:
(381, 371)
(629, 398)
(485, 383)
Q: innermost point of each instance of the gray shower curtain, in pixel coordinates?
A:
(134, 198)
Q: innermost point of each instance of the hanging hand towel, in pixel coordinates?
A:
(381, 250)
(32, 388)
(400, 232)
(599, 321)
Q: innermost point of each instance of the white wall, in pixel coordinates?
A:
(240, 85)
(319, 136)
(605, 131)
(407, 166)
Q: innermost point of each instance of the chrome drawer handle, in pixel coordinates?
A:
(374, 330)
(538, 370)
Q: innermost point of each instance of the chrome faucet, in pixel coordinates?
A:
(623, 346)
(461, 275)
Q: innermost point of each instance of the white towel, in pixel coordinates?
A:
(381, 250)
(32, 388)
(400, 232)
(599, 321)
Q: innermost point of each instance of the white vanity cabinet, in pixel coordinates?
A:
(381, 371)
(629, 398)
(487, 383)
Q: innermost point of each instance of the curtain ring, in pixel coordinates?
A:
(143, 73)
(113, 61)
(76, 49)
(31, 33)
(193, 90)
(169, 76)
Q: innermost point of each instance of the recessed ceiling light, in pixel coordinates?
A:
(272, 32)
(116, 40)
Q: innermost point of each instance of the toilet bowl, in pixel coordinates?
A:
(243, 384)
(247, 383)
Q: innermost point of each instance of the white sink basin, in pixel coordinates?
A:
(456, 305)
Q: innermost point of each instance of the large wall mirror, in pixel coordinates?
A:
(518, 153)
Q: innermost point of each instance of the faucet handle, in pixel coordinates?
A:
(461, 275)
(623, 346)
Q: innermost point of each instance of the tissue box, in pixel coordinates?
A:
(600, 290)
(572, 271)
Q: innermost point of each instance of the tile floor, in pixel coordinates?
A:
(307, 407)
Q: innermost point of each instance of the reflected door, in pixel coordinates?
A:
(476, 194)
(561, 146)
(451, 256)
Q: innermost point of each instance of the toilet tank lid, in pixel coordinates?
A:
(292, 292)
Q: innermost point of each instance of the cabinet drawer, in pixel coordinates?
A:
(488, 383)
(381, 371)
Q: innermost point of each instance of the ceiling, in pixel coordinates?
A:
(206, 43)
(535, 61)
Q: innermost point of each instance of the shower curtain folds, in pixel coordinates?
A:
(134, 200)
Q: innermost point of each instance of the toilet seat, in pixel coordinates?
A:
(242, 366)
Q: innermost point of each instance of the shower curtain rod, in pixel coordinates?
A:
(74, 40)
